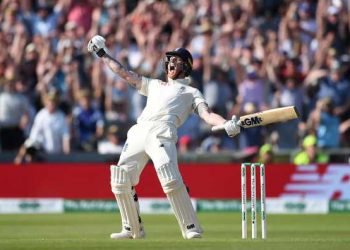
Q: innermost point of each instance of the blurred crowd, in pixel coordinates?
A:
(249, 56)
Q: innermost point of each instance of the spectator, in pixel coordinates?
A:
(116, 102)
(14, 116)
(27, 69)
(44, 22)
(310, 152)
(337, 88)
(198, 71)
(325, 124)
(50, 130)
(202, 40)
(308, 25)
(289, 94)
(112, 144)
(80, 13)
(87, 122)
(26, 14)
(217, 92)
(252, 137)
(252, 90)
(334, 29)
(266, 154)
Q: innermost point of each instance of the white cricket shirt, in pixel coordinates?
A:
(49, 130)
(171, 101)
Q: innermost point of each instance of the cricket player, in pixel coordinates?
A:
(154, 137)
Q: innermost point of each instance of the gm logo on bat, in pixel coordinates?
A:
(255, 120)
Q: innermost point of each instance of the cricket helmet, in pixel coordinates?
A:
(185, 55)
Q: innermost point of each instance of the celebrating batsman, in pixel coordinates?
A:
(154, 137)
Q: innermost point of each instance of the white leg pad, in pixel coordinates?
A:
(180, 201)
(121, 187)
(184, 211)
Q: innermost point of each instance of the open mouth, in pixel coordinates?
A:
(172, 68)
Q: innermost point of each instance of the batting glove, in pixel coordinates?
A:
(97, 45)
(232, 127)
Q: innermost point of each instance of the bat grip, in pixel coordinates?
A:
(218, 128)
(222, 127)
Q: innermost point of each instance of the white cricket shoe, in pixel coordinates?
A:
(192, 235)
(125, 234)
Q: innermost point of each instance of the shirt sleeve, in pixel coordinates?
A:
(145, 83)
(65, 127)
(197, 99)
(37, 129)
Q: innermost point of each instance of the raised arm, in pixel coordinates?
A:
(97, 45)
(231, 127)
(130, 76)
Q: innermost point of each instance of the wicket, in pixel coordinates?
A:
(253, 199)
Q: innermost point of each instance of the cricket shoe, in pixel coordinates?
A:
(192, 235)
(125, 234)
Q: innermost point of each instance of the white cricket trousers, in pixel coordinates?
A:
(149, 140)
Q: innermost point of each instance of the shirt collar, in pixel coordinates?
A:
(184, 81)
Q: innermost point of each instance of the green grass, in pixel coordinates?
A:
(222, 231)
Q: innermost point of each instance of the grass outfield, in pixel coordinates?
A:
(222, 231)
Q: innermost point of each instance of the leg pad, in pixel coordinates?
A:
(122, 189)
(179, 199)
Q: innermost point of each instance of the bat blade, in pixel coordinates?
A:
(265, 117)
(269, 116)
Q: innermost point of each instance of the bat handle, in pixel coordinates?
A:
(222, 127)
(218, 128)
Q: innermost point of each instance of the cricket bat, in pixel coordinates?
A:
(265, 117)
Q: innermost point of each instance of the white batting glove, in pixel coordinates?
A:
(97, 45)
(232, 127)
